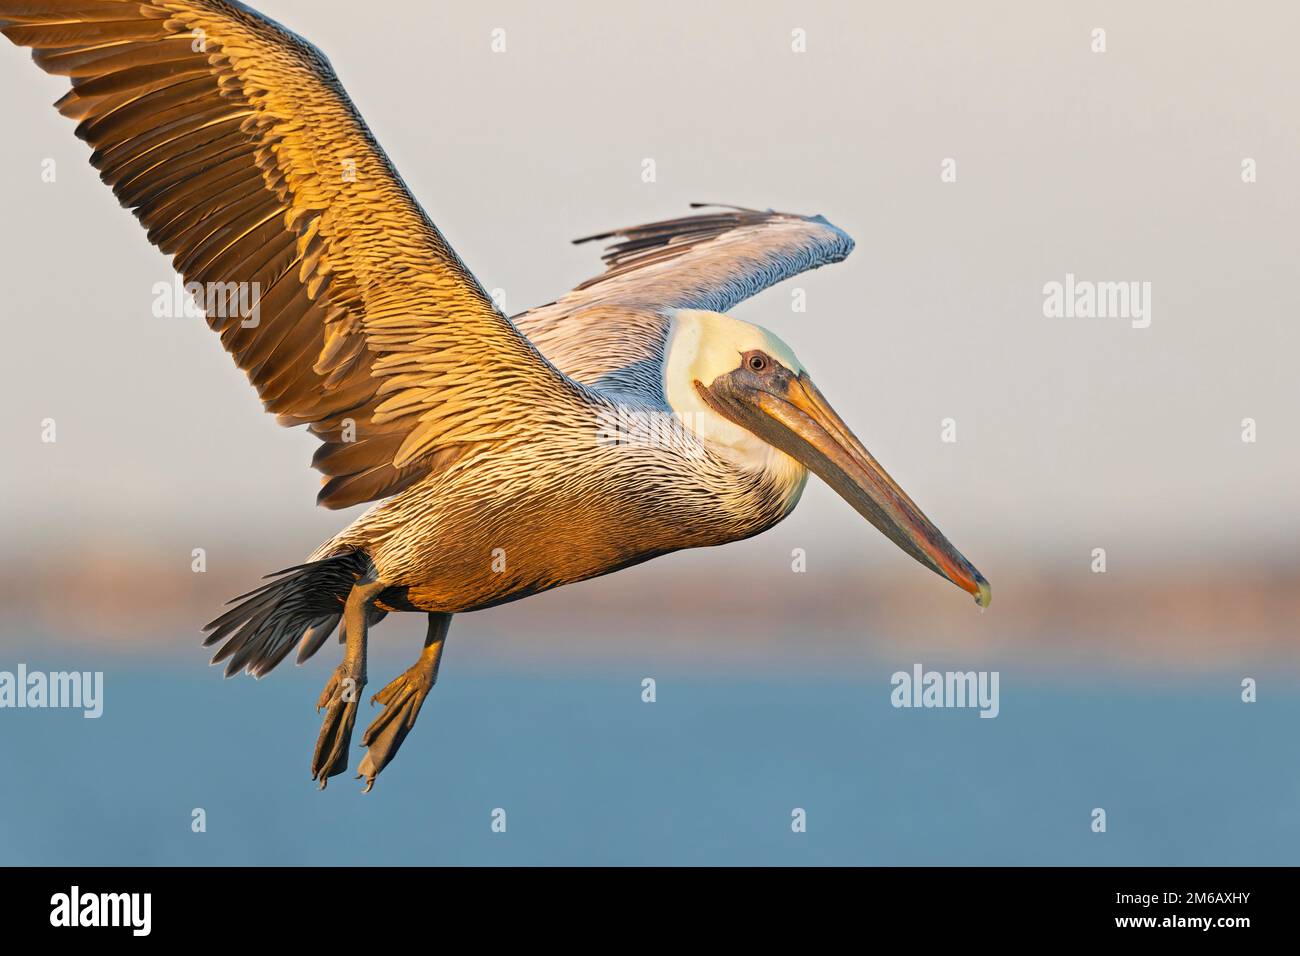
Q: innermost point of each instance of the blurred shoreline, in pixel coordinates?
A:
(1181, 620)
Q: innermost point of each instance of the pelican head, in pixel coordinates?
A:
(741, 389)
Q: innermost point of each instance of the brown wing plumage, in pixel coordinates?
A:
(234, 144)
(612, 327)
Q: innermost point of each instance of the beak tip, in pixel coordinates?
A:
(984, 594)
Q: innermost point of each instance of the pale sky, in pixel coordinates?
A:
(1071, 432)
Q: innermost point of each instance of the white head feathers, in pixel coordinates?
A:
(702, 346)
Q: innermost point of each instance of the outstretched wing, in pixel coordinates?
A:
(612, 328)
(236, 147)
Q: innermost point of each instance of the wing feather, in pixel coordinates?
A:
(235, 146)
(611, 329)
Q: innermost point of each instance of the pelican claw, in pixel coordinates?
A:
(402, 700)
(339, 699)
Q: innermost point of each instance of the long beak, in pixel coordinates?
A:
(801, 423)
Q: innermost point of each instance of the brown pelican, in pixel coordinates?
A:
(625, 420)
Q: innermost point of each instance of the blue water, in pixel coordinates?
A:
(709, 774)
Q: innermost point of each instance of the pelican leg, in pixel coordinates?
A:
(402, 700)
(343, 691)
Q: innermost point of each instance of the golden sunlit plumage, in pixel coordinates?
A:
(625, 420)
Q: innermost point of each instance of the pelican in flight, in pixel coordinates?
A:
(627, 419)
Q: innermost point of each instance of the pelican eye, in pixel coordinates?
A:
(757, 363)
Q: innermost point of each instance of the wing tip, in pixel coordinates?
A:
(632, 243)
(740, 212)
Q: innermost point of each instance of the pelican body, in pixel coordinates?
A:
(628, 419)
